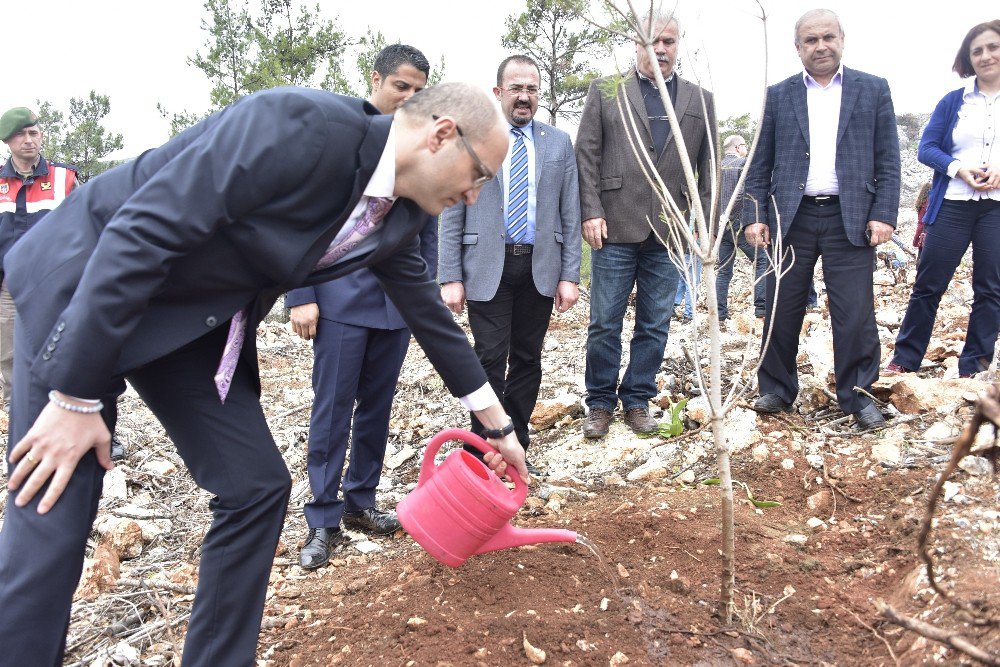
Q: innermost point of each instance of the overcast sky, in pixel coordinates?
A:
(136, 51)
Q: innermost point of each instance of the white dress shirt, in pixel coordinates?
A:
(824, 119)
(975, 139)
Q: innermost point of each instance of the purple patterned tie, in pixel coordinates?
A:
(374, 212)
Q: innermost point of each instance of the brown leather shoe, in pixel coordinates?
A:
(597, 424)
(639, 421)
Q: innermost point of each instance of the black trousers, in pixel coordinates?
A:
(509, 331)
(818, 230)
(229, 452)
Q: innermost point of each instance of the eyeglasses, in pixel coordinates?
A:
(485, 174)
(517, 91)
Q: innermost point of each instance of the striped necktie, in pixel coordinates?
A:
(517, 204)
(375, 210)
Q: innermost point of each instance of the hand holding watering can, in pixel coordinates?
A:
(461, 507)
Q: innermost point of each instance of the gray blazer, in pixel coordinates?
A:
(472, 238)
(868, 170)
(611, 182)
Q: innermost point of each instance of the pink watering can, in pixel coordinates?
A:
(461, 507)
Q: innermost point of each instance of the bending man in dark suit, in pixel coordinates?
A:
(163, 269)
(517, 250)
(826, 169)
(617, 205)
(358, 351)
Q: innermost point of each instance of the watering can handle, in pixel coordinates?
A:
(427, 468)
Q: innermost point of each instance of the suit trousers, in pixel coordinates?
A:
(229, 451)
(958, 224)
(509, 331)
(7, 315)
(818, 230)
(615, 269)
(355, 371)
(731, 240)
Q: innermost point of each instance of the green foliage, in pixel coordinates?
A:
(281, 45)
(566, 48)
(676, 424)
(81, 140)
(368, 48)
(743, 125)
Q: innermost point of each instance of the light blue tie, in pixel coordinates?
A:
(517, 205)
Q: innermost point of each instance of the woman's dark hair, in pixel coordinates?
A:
(963, 61)
(925, 190)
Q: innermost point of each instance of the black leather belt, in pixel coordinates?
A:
(518, 248)
(821, 200)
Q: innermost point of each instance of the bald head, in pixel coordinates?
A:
(471, 108)
(450, 141)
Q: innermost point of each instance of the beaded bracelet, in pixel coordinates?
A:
(87, 410)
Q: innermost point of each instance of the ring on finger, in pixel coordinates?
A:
(30, 458)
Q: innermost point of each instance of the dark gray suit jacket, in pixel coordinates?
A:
(472, 239)
(611, 183)
(226, 215)
(867, 155)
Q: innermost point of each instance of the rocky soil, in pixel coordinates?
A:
(836, 535)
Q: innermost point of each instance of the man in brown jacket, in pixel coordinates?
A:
(617, 205)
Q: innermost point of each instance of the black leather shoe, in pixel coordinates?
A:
(117, 449)
(869, 417)
(373, 521)
(534, 470)
(770, 404)
(319, 545)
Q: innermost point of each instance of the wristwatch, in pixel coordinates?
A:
(497, 433)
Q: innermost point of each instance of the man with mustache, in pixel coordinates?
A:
(826, 176)
(618, 206)
(511, 279)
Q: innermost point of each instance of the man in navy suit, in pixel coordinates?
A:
(359, 343)
(163, 268)
(826, 176)
(513, 279)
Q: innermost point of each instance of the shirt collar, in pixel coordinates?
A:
(971, 90)
(653, 81)
(528, 129)
(8, 170)
(383, 180)
(838, 79)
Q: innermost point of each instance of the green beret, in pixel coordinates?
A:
(16, 120)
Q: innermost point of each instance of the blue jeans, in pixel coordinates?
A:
(958, 224)
(687, 294)
(615, 269)
(731, 240)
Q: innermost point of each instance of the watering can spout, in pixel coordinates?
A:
(509, 536)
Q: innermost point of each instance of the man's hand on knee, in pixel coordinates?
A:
(52, 449)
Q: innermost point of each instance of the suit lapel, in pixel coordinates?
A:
(369, 153)
(850, 90)
(801, 106)
(634, 95)
(541, 141)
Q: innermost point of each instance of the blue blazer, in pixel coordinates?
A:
(227, 215)
(357, 299)
(936, 146)
(867, 156)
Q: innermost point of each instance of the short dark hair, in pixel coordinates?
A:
(517, 58)
(963, 61)
(389, 59)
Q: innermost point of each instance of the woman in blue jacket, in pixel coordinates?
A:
(962, 144)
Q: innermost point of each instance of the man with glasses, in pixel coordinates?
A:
(359, 344)
(164, 267)
(733, 161)
(618, 206)
(511, 280)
